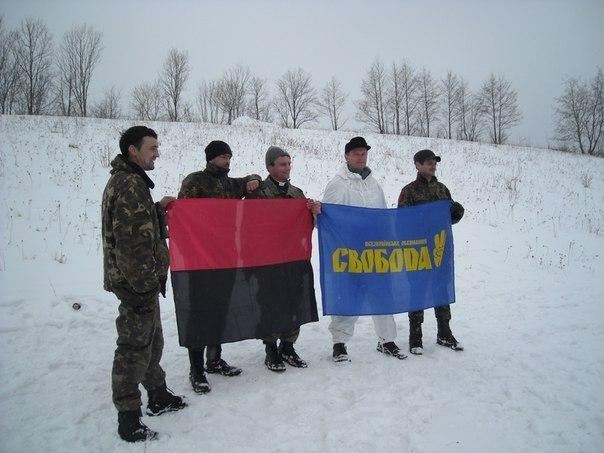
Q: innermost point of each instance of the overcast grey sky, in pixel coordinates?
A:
(535, 44)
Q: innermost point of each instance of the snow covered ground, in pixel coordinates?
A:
(530, 308)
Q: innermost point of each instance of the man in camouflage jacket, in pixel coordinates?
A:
(427, 188)
(214, 182)
(277, 185)
(136, 261)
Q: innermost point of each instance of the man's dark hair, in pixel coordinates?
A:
(134, 136)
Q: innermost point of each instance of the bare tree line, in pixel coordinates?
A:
(37, 77)
(580, 115)
(405, 101)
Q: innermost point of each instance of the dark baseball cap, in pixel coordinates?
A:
(424, 155)
(356, 142)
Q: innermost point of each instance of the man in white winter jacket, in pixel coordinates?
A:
(354, 185)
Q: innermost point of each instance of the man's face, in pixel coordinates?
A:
(222, 161)
(280, 169)
(427, 168)
(145, 155)
(357, 158)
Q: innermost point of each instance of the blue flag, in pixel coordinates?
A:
(385, 261)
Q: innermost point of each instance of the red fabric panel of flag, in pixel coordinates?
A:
(240, 269)
(214, 234)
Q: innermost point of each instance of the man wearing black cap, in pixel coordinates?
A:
(354, 185)
(213, 182)
(427, 188)
(277, 185)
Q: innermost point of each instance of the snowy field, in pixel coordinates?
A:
(530, 310)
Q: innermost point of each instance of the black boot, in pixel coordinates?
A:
(215, 364)
(197, 375)
(288, 353)
(445, 337)
(273, 359)
(162, 400)
(199, 382)
(390, 348)
(340, 354)
(131, 429)
(415, 338)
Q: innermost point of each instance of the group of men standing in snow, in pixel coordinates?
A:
(136, 264)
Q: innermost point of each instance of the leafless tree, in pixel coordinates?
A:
(207, 101)
(498, 101)
(428, 101)
(295, 99)
(64, 86)
(174, 76)
(449, 87)
(79, 53)
(232, 89)
(9, 71)
(331, 102)
(146, 101)
(109, 105)
(371, 108)
(469, 114)
(580, 114)
(259, 106)
(188, 113)
(34, 54)
(404, 86)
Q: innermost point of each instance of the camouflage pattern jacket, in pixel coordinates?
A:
(135, 258)
(213, 182)
(421, 190)
(269, 188)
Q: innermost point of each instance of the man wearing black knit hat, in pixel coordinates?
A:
(214, 182)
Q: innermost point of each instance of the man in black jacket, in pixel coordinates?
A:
(214, 182)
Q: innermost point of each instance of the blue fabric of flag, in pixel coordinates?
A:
(385, 261)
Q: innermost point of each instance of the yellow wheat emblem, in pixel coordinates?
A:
(439, 247)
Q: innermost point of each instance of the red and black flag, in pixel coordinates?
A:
(240, 268)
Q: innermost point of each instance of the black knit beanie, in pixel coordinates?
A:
(217, 148)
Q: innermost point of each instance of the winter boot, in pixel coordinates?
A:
(215, 364)
(415, 338)
(339, 352)
(197, 375)
(131, 429)
(445, 337)
(390, 348)
(162, 400)
(199, 382)
(221, 367)
(288, 353)
(273, 359)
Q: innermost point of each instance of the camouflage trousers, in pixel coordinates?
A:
(140, 343)
(442, 313)
(290, 336)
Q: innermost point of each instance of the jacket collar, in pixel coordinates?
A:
(121, 163)
(216, 171)
(423, 180)
(282, 187)
(346, 173)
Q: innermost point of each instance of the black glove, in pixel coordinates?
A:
(457, 211)
(162, 285)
